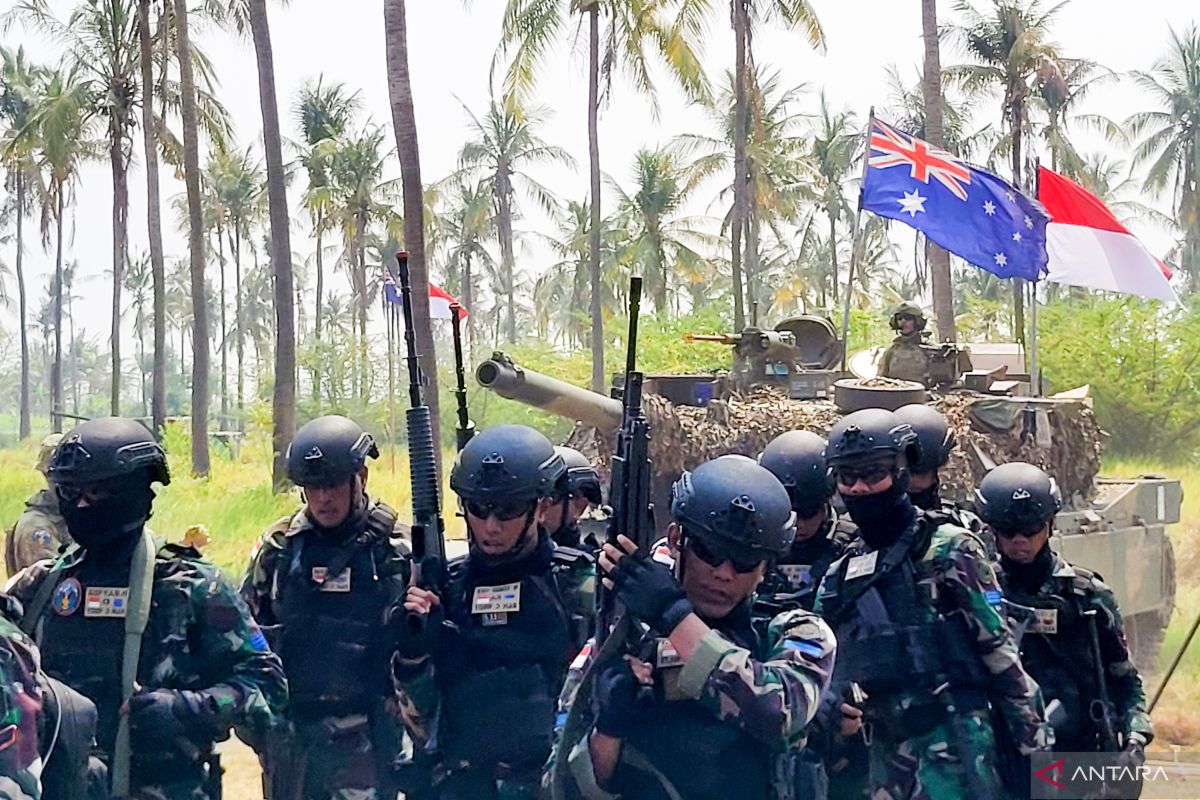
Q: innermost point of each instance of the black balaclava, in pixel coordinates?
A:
(1030, 577)
(883, 516)
(112, 523)
(929, 499)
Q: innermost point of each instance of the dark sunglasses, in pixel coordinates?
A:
(505, 511)
(906, 318)
(715, 559)
(1010, 534)
(869, 474)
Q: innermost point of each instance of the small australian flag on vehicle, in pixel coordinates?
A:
(982, 219)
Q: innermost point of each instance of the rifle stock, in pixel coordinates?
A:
(428, 530)
(466, 428)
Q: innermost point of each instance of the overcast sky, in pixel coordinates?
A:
(450, 51)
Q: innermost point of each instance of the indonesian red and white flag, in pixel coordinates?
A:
(439, 298)
(1088, 246)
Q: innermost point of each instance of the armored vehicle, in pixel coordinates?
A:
(1113, 526)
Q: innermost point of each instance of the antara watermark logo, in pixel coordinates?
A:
(1075, 776)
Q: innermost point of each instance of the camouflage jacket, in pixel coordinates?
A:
(770, 693)
(200, 636)
(419, 684)
(1085, 591)
(40, 533)
(259, 585)
(950, 565)
(20, 759)
(905, 360)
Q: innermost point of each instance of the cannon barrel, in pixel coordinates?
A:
(508, 379)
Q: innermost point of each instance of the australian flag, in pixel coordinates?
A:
(981, 218)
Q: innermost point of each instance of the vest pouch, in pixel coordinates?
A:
(328, 666)
(503, 715)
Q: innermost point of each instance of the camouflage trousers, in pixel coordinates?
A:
(929, 766)
(336, 759)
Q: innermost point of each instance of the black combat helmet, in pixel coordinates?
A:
(1017, 497)
(329, 451)
(582, 478)
(871, 433)
(108, 448)
(797, 459)
(736, 504)
(507, 463)
(907, 309)
(934, 435)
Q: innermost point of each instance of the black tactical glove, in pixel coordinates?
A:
(621, 703)
(650, 592)
(417, 634)
(164, 715)
(1133, 755)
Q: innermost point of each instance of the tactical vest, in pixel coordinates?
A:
(701, 756)
(330, 601)
(501, 669)
(1056, 651)
(895, 637)
(906, 360)
(801, 569)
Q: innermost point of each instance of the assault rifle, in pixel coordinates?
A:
(466, 429)
(428, 530)
(632, 516)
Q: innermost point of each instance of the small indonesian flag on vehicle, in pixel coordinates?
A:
(439, 298)
(1089, 247)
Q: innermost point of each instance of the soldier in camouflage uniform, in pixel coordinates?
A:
(937, 441)
(485, 653)
(1018, 501)
(834, 764)
(710, 708)
(579, 492)
(203, 664)
(40, 532)
(323, 583)
(916, 609)
(904, 359)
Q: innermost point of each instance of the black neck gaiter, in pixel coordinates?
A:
(883, 516)
(1032, 576)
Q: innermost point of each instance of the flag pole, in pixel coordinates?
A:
(1035, 378)
(855, 233)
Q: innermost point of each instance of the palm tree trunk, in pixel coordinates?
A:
(224, 325)
(753, 281)
(1018, 285)
(25, 425)
(120, 221)
(360, 255)
(191, 170)
(595, 307)
(741, 26)
(833, 253)
(237, 320)
(468, 291)
(56, 387)
(316, 374)
(404, 122)
(158, 393)
(937, 258)
(504, 222)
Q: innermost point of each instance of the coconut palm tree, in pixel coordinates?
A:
(158, 393)
(1169, 138)
(937, 257)
(469, 222)
(832, 152)
(65, 135)
(404, 124)
(323, 114)
(634, 31)
(19, 80)
(101, 41)
(1010, 47)
(659, 236)
(200, 328)
(138, 282)
(505, 143)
